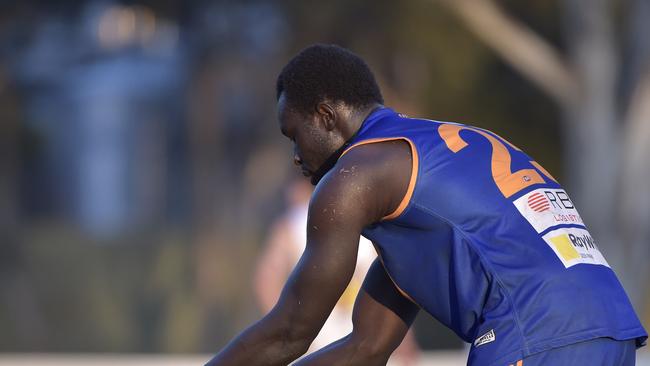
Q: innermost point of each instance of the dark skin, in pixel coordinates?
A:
(381, 318)
(365, 185)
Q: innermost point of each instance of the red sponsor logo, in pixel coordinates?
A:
(538, 202)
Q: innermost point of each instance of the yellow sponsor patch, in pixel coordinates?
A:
(564, 247)
(573, 246)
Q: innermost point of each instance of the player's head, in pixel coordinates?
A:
(319, 92)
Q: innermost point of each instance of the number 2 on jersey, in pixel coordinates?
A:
(507, 181)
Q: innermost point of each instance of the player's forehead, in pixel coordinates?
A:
(282, 114)
(287, 117)
(282, 107)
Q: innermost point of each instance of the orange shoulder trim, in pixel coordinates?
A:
(414, 172)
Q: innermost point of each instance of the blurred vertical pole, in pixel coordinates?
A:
(635, 179)
(592, 138)
(9, 159)
(205, 145)
(10, 166)
(17, 292)
(205, 131)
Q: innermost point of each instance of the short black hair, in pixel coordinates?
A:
(320, 72)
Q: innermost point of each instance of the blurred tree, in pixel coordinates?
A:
(604, 100)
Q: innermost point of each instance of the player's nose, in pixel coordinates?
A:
(296, 158)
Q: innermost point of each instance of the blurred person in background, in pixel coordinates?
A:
(282, 250)
(467, 226)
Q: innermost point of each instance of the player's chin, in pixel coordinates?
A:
(315, 178)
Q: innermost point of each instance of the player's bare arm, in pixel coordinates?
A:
(361, 189)
(381, 319)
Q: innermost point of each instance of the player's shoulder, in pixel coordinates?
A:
(372, 176)
(374, 162)
(377, 150)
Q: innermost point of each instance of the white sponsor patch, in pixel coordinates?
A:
(545, 208)
(485, 338)
(574, 246)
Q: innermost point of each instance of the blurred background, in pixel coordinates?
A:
(141, 164)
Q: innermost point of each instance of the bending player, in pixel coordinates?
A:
(468, 228)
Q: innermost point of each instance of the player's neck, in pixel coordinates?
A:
(356, 119)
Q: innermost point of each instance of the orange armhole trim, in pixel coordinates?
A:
(414, 172)
(399, 289)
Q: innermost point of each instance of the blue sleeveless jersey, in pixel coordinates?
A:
(487, 242)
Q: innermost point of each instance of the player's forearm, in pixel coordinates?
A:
(347, 351)
(258, 346)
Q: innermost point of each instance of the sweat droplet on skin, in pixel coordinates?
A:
(351, 170)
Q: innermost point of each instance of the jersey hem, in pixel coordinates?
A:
(583, 336)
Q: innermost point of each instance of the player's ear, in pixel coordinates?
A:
(327, 115)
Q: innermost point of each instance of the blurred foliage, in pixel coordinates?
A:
(96, 296)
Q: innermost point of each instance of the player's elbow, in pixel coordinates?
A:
(373, 349)
(288, 338)
(295, 343)
(373, 353)
(295, 349)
